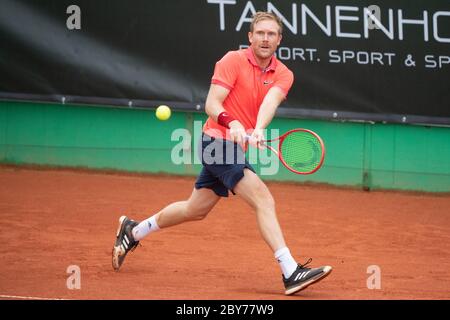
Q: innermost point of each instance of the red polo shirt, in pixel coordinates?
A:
(238, 72)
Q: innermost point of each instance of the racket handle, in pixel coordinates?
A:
(247, 137)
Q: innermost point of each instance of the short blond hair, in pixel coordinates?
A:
(262, 15)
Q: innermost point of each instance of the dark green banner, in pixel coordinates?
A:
(360, 60)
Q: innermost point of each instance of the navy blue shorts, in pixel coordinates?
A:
(223, 165)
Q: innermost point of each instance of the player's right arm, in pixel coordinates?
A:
(214, 107)
(214, 101)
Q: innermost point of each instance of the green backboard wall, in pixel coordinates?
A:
(373, 156)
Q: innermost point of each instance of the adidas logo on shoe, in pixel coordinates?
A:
(303, 277)
(124, 242)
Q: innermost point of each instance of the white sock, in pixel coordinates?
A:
(287, 263)
(144, 228)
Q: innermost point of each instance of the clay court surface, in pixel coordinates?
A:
(52, 219)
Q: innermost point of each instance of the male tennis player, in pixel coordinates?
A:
(247, 87)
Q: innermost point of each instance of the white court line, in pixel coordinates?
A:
(28, 298)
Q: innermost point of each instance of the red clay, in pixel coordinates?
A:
(51, 219)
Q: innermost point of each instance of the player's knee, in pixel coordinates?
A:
(267, 203)
(199, 216)
(197, 213)
(263, 199)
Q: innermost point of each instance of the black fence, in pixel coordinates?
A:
(353, 59)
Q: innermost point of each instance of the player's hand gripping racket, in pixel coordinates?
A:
(300, 150)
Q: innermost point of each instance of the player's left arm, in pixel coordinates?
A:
(271, 101)
(269, 106)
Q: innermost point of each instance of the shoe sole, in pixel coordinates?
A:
(117, 250)
(326, 271)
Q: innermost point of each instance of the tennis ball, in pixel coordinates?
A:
(163, 112)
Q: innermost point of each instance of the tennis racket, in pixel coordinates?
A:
(300, 150)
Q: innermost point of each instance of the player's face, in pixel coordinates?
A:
(265, 39)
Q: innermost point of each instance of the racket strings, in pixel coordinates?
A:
(301, 151)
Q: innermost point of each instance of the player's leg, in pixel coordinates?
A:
(196, 207)
(130, 232)
(206, 194)
(254, 191)
(295, 276)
